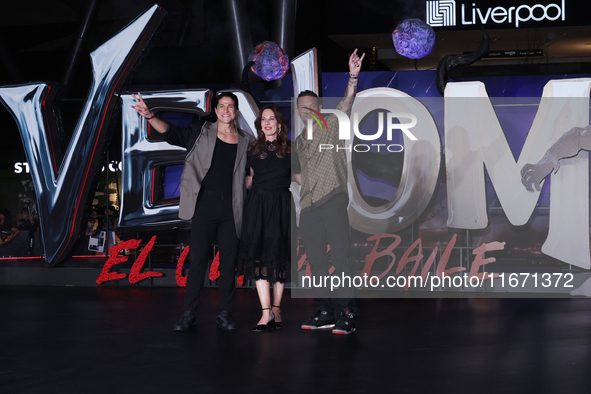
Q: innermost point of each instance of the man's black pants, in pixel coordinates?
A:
(213, 217)
(320, 226)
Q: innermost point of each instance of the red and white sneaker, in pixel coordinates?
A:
(346, 323)
(320, 320)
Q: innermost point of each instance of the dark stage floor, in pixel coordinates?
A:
(120, 340)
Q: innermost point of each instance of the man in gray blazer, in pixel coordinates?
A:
(212, 195)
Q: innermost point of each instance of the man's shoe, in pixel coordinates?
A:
(187, 322)
(321, 319)
(345, 324)
(225, 322)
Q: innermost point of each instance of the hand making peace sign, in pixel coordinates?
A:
(141, 107)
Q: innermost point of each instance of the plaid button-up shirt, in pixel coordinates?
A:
(324, 173)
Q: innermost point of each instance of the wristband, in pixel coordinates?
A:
(151, 117)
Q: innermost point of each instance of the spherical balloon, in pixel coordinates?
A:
(413, 38)
(270, 62)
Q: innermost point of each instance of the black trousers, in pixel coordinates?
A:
(213, 218)
(320, 226)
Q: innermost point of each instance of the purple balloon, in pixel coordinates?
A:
(270, 62)
(413, 38)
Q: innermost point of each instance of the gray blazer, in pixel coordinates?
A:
(197, 164)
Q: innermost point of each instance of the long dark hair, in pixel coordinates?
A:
(260, 143)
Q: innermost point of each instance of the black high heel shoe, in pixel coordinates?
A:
(269, 326)
(278, 324)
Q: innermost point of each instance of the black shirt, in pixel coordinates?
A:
(219, 175)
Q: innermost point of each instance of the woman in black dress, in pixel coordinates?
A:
(265, 243)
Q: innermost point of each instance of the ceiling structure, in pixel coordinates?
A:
(37, 35)
(562, 45)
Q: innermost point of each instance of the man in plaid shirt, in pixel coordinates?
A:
(324, 200)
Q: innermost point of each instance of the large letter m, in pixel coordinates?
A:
(474, 140)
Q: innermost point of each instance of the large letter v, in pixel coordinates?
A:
(63, 186)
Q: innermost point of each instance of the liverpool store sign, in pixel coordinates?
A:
(449, 13)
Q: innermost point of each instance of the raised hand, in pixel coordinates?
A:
(141, 107)
(355, 62)
(346, 103)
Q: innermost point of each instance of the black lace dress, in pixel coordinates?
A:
(265, 241)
